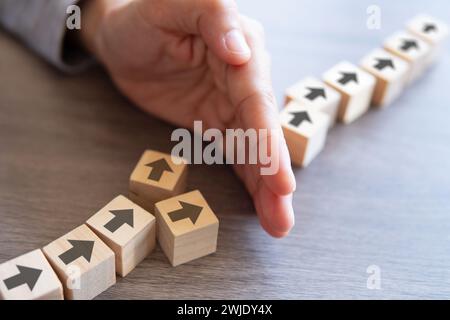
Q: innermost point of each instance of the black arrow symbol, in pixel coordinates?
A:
(121, 217)
(347, 77)
(429, 27)
(158, 168)
(314, 93)
(188, 210)
(383, 63)
(26, 275)
(80, 248)
(408, 44)
(299, 117)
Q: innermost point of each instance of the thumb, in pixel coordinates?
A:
(220, 28)
(216, 21)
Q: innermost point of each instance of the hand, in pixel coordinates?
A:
(186, 60)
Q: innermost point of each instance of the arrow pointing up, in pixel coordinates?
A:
(188, 210)
(80, 248)
(429, 27)
(408, 44)
(26, 275)
(299, 117)
(348, 77)
(121, 217)
(383, 63)
(314, 93)
(158, 168)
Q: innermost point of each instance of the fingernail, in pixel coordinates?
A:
(236, 43)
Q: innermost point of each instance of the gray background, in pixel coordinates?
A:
(379, 194)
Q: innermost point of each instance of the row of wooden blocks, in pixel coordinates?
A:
(347, 91)
(84, 262)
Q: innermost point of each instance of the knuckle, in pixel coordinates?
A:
(268, 97)
(261, 104)
(261, 100)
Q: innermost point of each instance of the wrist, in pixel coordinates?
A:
(93, 14)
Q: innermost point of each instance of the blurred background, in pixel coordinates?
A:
(313, 35)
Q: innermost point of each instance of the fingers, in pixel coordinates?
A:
(251, 94)
(217, 21)
(239, 43)
(219, 25)
(275, 212)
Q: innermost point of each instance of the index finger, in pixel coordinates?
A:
(251, 95)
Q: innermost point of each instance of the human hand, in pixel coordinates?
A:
(186, 60)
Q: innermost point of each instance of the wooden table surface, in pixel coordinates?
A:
(379, 194)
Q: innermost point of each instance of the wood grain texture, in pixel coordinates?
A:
(379, 194)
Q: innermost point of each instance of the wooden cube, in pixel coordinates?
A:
(187, 228)
(315, 94)
(305, 131)
(84, 264)
(356, 87)
(431, 30)
(156, 177)
(412, 49)
(29, 277)
(391, 75)
(127, 229)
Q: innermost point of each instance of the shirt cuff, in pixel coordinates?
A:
(41, 24)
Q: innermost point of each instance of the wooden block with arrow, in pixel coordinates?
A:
(411, 49)
(156, 177)
(431, 30)
(187, 228)
(315, 94)
(84, 264)
(391, 75)
(127, 229)
(29, 277)
(356, 87)
(305, 131)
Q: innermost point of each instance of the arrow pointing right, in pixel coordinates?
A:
(348, 77)
(384, 63)
(80, 248)
(429, 27)
(188, 210)
(314, 93)
(26, 275)
(158, 168)
(408, 44)
(121, 217)
(299, 117)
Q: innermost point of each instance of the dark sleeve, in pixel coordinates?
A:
(41, 25)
